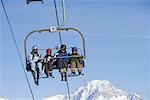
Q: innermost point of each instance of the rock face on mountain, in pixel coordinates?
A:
(97, 90)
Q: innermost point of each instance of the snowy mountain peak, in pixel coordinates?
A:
(98, 90)
(57, 97)
(98, 84)
(101, 85)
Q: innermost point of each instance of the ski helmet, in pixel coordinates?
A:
(74, 49)
(63, 47)
(35, 49)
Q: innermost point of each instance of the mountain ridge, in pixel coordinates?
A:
(97, 90)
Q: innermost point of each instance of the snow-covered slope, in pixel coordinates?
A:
(3, 98)
(98, 90)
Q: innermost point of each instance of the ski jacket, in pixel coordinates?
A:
(33, 58)
(48, 58)
(62, 54)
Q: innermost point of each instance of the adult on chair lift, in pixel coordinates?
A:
(62, 62)
(48, 63)
(34, 60)
(76, 62)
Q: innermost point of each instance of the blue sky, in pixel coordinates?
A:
(117, 44)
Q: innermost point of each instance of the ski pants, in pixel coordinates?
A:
(75, 63)
(39, 65)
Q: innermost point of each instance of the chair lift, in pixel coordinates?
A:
(51, 30)
(28, 1)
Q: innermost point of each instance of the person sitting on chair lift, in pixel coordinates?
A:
(34, 59)
(48, 63)
(62, 62)
(76, 62)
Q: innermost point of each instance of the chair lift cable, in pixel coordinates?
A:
(12, 33)
(56, 12)
(68, 89)
(61, 39)
(63, 14)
